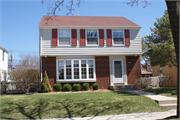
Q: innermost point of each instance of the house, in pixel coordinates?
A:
(3, 63)
(87, 49)
(146, 69)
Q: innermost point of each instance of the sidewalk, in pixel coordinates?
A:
(131, 116)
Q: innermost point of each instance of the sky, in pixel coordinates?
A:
(19, 19)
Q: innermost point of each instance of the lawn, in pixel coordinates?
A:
(41, 106)
(167, 91)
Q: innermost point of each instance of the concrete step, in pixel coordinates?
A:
(169, 106)
(166, 101)
(123, 87)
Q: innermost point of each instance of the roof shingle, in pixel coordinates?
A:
(87, 21)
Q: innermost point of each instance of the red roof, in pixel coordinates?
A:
(87, 21)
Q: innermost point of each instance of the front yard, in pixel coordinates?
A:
(41, 106)
(167, 91)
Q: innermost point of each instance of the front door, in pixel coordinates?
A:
(117, 71)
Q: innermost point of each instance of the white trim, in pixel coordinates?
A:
(97, 37)
(113, 37)
(58, 37)
(72, 71)
(114, 81)
(75, 80)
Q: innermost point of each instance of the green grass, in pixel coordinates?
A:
(41, 106)
(167, 91)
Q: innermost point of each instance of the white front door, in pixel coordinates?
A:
(118, 71)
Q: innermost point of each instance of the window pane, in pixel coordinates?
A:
(61, 69)
(76, 69)
(91, 33)
(64, 33)
(92, 41)
(118, 69)
(68, 69)
(118, 41)
(64, 41)
(90, 64)
(83, 69)
(117, 33)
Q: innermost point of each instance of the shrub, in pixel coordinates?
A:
(57, 86)
(95, 86)
(142, 82)
(67, 87)
(76, 87)
(86, 86)
(45, 85)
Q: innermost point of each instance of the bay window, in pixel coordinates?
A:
(75, 69)
(118, 37)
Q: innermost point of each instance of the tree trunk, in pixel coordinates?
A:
(173, 11)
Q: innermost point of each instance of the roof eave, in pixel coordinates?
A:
(1, 47)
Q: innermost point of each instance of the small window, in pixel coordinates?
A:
(118, 37)
(92, 37)
(61, 69)
(83, 69)
(64, 37)
(76, 69)
(68, 69)
(3, 56)
(91, 73)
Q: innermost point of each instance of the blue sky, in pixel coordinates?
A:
(19, 19)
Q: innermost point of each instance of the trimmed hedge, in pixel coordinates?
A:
(95, 86)
(86, 86)
(57, 86)
(67, 87)
(76, 87)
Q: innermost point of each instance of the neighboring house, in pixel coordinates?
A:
(3, 63)
(146, 69)
(85, 49)
(166, 71)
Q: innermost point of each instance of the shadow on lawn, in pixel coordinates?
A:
(66, 108)
(171, 91)
(24, 109)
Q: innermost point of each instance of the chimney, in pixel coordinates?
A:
(77, 15)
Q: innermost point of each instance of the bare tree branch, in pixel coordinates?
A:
(133, 2)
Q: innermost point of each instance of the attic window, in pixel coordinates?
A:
(64, 37)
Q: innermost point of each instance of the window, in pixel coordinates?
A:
(64, 37)
(3, 56)
(92, 37)
(82, 69)
(118, 37)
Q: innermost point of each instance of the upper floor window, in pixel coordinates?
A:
(64, 37)
(92, 37)
(118, 37)
(3, 56)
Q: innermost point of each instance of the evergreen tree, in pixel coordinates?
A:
(160, 47)
(45, 85)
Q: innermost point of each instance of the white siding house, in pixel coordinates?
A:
(3, 63)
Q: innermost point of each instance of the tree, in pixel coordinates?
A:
(45, 86)
(159, 45)
(27, 61)
(25, 79)
(173, 10)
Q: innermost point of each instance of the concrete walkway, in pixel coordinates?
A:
(164, 101)
(131, 116)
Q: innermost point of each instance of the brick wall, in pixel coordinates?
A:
(49, 65)
(102, 71)
(133, 69)
(167, 71)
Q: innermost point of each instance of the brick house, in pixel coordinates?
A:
(86, 49)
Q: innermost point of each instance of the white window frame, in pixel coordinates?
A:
(58, 37)
(123, 38)
(72, 71)
(97, 37)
